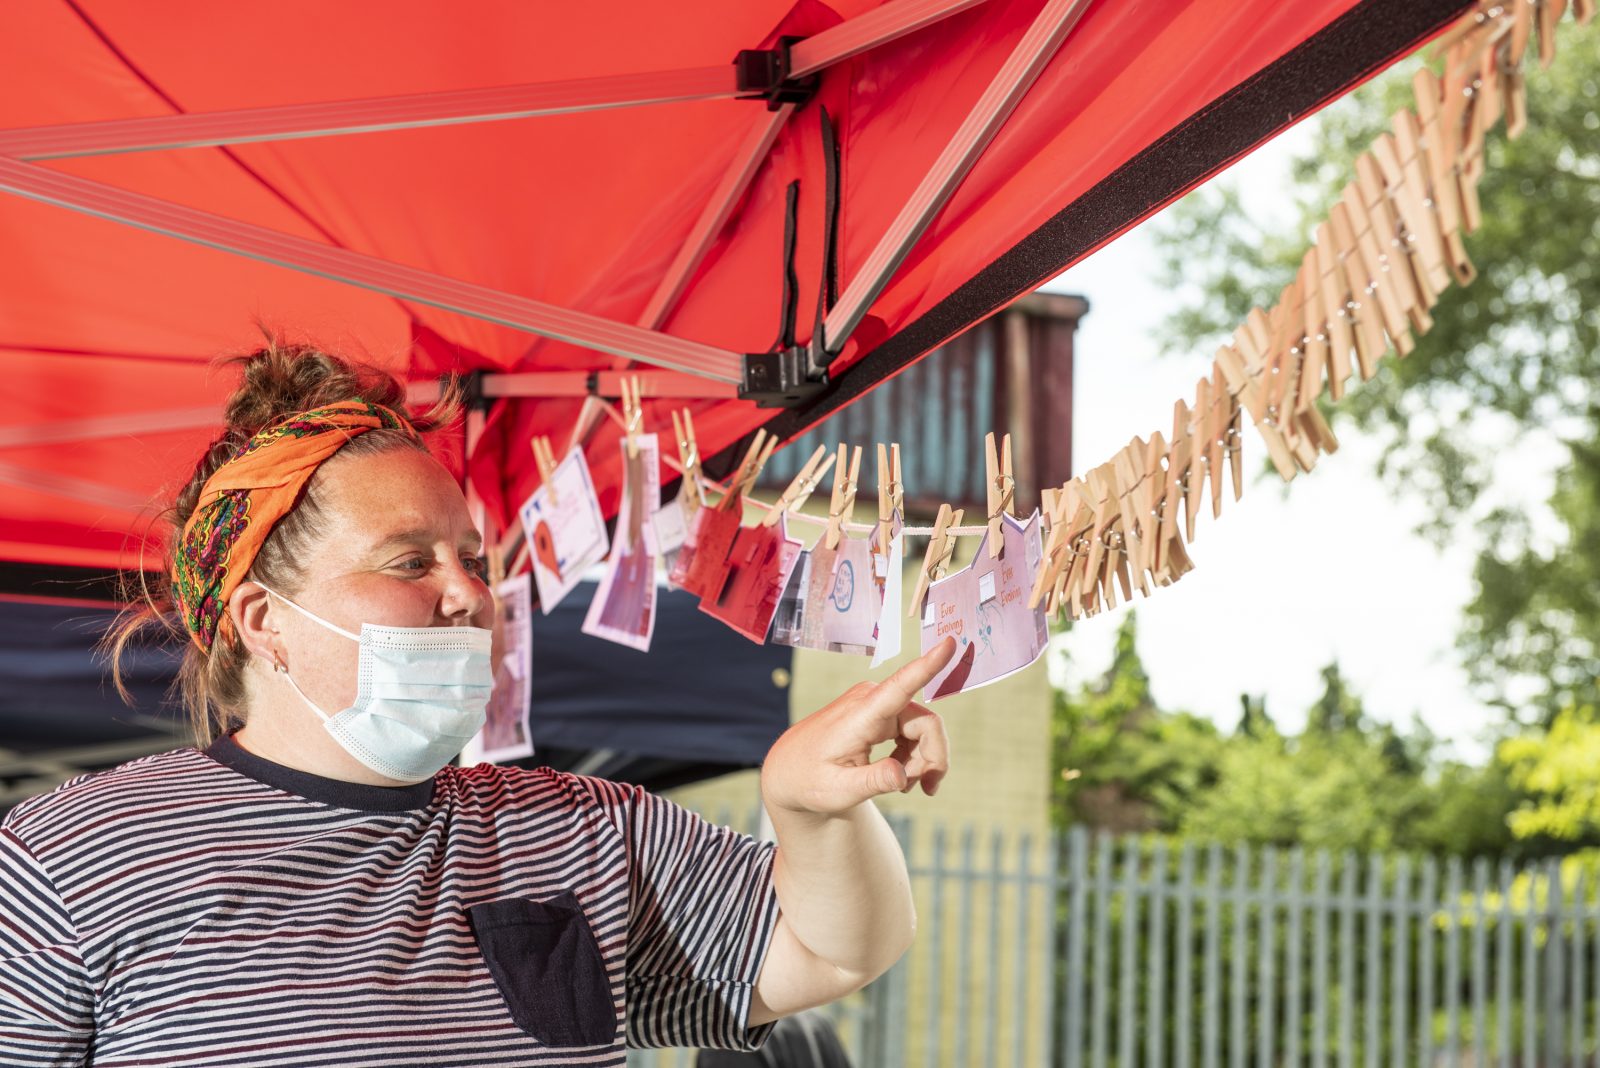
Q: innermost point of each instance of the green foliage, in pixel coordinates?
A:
(1345, 782)
(1514, 353)
(1114, 749)
(1559, 771)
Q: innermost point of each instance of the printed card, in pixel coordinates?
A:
(755, 572)
(985, 606)
(832, 601)
(624, 607)
(704, 556)
(505, 734)
(565, 537)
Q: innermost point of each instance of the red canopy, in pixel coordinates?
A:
(668, 219)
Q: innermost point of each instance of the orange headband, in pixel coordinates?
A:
(244, 499)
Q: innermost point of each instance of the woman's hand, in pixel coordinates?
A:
(823, 764)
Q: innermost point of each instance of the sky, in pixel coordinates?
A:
(1293, 576)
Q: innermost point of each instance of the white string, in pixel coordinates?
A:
(814, 520)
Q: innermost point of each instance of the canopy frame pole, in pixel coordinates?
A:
(367, 115)
(865, 32)
(61, 431)
(718, 210)
(1038, 45)
(34, 182)
(495, 384)
(456, 107)
(575, 384)
(81, 490)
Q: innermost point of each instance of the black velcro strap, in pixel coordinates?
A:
(791, 281)
(828, 288)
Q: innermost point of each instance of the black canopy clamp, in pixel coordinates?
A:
(788, 375)
(763, 74)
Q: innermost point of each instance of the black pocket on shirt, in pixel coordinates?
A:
(545, 960)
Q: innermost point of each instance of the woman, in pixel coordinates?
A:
(314, 884)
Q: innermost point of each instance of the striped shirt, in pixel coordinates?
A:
(214, 908)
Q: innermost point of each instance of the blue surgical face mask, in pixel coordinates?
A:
(420, 696)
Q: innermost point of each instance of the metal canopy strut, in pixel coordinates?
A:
(865, 32)
(242, 126)
(718, 209)
(999, 100)
(34, 182)
(199, 129)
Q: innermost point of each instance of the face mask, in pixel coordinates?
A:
(420, 697)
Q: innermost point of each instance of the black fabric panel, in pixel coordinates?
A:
(703, 693)
(92, 585)
(702, 702)
(1363, 40)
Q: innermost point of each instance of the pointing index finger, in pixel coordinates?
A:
(901, 687)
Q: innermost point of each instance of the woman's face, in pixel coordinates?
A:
(397, 547)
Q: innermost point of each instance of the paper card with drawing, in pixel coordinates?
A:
(704, 555)
(888, 571)
(567, 537)
(624, 607)
(831, 601)
(505, 734)
(985, 606)
(755, 572)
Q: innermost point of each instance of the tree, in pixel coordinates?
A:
(1515, 353)
(1121, 763)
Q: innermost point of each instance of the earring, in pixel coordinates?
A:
(277, 664)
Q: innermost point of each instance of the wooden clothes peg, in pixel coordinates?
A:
(1104, 489)
(1128, 537)
(1062, 508)
(1313, 334)
(589, 416)
(805, 482)
(1181, 470)
(545, 460)
(1285, 354)
(891, 492)
(689, 456)
(1379, 296)
(1425, 137)
(941, 546)
(755, 458)
(1233, 445)
(632, 414)
(1211, 399)
(842, 508)
(1412, 283)
(1550, 12)
(1147, 493)
(1002, 489)
(1333, 288)
(1403, 181)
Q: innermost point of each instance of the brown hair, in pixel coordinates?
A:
(278, 380)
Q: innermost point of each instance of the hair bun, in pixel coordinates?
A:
(282, 378)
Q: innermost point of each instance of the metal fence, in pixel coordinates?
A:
(1097, 951)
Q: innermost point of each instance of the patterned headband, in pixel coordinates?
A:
(244, 499)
